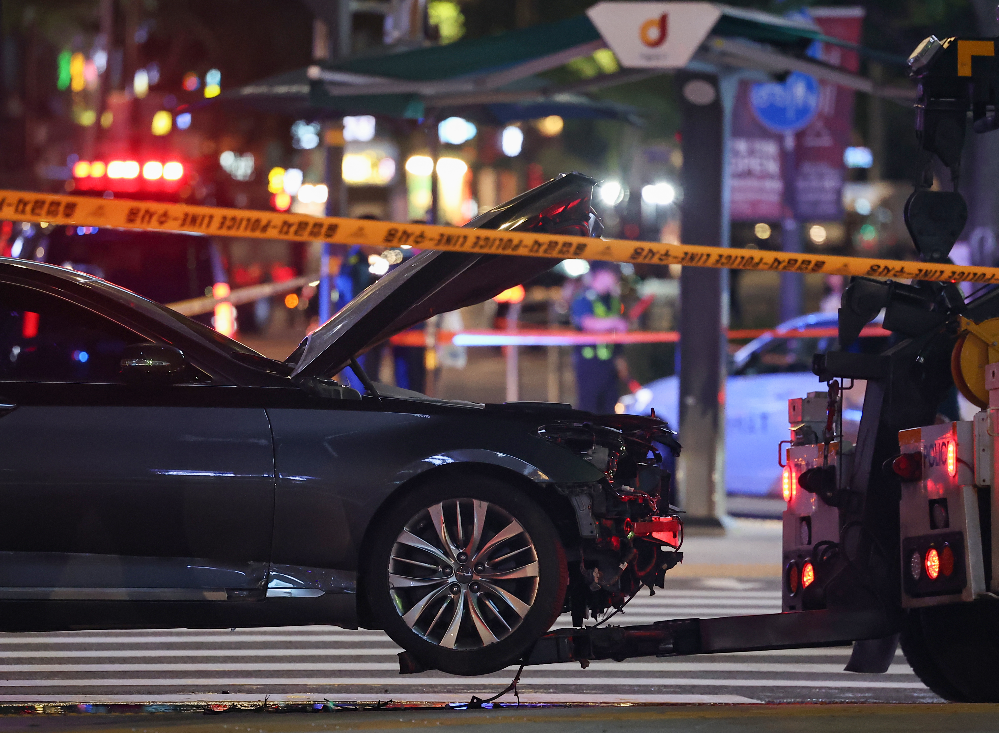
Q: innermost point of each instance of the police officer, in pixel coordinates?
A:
(599, 367)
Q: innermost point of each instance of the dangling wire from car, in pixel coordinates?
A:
(613, 613)
(477, 702)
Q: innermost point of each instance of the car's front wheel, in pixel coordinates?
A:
(466, 572)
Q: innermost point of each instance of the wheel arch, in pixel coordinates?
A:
(554, 504)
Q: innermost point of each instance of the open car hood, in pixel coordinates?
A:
(436, 282)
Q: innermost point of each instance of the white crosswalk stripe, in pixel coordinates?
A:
(328, 664)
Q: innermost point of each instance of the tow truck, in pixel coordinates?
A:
(893, 539)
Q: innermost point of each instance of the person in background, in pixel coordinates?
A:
(599, 367)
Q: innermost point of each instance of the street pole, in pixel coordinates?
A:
(790, 287)
(337, 42)
(434, 144)
(706, 105)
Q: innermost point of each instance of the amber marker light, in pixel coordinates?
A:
(947, 561)
(808, 574)
(792, 578)
(932, 563)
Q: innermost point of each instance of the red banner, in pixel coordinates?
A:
(756, 153)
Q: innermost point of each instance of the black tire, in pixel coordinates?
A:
(953, 649)
(455, 609)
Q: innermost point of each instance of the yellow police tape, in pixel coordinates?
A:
(59, 209)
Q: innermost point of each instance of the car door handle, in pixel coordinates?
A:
(6, 407)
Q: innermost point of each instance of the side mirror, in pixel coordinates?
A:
(152, 364)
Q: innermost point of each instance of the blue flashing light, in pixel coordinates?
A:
(183, 120)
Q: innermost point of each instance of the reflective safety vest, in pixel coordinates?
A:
(602, 351)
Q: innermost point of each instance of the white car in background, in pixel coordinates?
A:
(763, 376)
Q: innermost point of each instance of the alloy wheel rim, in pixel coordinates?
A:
(463, 574)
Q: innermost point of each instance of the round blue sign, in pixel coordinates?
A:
(786, 107)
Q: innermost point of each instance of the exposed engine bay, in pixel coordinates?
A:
(629, 533)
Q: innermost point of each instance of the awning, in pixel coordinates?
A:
(496, 78)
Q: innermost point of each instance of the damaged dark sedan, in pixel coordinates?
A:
(154, 473)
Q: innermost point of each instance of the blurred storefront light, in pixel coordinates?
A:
(213, 83)
(359, 128)
(659, 194)
(63, 75)
(377, 265)
(276, 180)
(419, 165)
(305, 135)
(510, 295)
(863, 206)
(451, 168)
(163, 122)
(453, 189)
(240, 167)
(90, 74)
(292, 181)
(281, 201)
(858, 157)
(611, 192)
(762, 230)
(387, 169)
(313, 194)
(511, 141)
(550, 126)
(76, 63)
(140, 83)
(817, 234)
(371, 164)
(456, 130)
(574, 268)
(356, 168)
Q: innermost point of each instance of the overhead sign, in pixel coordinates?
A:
(786, 107)
(654, 35)
(62, 210)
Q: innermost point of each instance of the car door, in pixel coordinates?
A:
(111, 490)
(757, 410)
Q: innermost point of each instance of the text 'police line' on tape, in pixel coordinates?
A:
(123, 214)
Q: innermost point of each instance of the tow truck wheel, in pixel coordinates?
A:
(953, 649)
(466, 573)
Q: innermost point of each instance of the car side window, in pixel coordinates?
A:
(786, 355)
(46, 339)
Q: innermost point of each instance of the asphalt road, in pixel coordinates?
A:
(326, 664)
(831, 718)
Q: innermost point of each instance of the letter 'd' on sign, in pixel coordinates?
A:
(639, 32)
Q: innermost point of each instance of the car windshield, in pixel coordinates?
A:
(234, 349)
